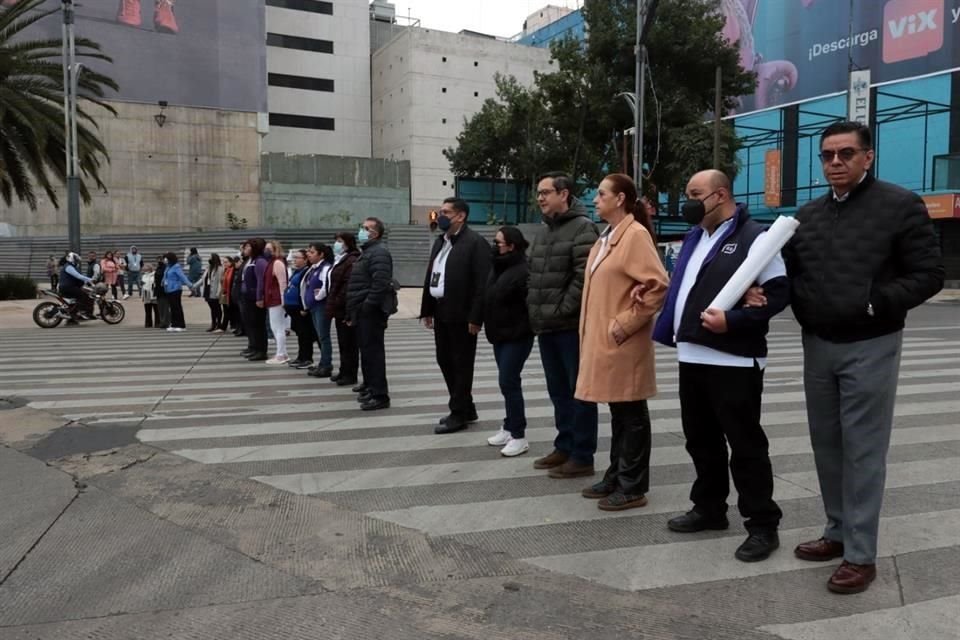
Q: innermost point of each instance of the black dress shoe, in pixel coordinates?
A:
(335, 377)
(318, 372)
(473, 417)
(295, 363)
(346, 382)
(360, 388)
(257, 357)
(247, 352)
(758, 546)
(375, 404)
(691, 522)
(452, 425)
(366, 396)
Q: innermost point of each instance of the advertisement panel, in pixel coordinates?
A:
(204, 53)
(801, 49)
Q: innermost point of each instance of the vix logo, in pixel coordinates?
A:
(913, 28)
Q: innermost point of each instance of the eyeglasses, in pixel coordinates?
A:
(543, 193)
(846, 154)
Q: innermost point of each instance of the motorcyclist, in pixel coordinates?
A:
(71, 285)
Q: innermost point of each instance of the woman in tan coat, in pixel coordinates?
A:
(616, 350)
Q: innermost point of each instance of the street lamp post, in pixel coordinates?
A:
(71, 75)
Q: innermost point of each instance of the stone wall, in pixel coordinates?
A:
(187, 175)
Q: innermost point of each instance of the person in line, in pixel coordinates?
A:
(617, 363)
(722, 356)
(173, 282)
(71, 285)
(254, 312)
(507, 325)
(53, 272)
(851, 305)
(109, 269)
(134, 268)
(163, 303)
(346, 254)
(151, 315)
(274, 284)
(236, 295)
(315, 295)
(194, 267)
(452, 307)
(299, 318)
(371, 299)
(210, 284)
(227, 321)
(558, 262)
(121, 272)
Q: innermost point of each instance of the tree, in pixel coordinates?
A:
(32, 135)
(573, 119)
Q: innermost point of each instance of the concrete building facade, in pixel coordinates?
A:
(318, 77)
(425, 84)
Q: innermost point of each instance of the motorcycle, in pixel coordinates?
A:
(50, 314)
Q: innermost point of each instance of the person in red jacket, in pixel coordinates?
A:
(274, 284)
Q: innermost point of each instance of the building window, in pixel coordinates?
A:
(299, 82)
(443, 90)
(476, 94)
(444, 183)
(301, 122)
(314, 6)
(444, 121)
(295, 42)
(444, 58)
(476, 64)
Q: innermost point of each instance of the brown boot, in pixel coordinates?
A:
(821, 550)
(852, 578)
(571, 469)
(554, 459)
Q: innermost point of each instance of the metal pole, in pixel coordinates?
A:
(638, 94)
(716, 118)
(71, 71)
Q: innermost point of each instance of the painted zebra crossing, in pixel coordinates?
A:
(191, 394)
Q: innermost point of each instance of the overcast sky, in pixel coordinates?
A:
(496, 17)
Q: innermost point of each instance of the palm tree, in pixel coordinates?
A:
(32, 133)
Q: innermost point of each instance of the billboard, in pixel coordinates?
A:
(801, 49)
(203, 53)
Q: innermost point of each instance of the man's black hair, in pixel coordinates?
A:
(847, 126)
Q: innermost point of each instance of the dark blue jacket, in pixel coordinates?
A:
(746, 327)
(291, 295)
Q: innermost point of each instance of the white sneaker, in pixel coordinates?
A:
(126, 296)
(278, 360)
(179, 329)
(515, 447)
(499, 439)
(171, 329)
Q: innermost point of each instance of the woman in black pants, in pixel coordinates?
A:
(345, 254)
(211, 280)
(299, 318)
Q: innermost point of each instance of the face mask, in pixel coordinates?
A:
(694, 211)
(337, 248)
(495, 250)
(268, 252)
(363, 236)
(443, 222)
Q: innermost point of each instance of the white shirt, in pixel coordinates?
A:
(699, 354)
(439, 271)
(604, 247)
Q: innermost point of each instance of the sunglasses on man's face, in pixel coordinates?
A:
(846, 154)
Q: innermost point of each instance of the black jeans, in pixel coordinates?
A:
(349, 350)
(176, 310)
(255, 319)
(456, 354)
(720, 406)
(371, 327)
(303, 327)
(510, 357)
(216, 313)
(629, 469)
(163, 311)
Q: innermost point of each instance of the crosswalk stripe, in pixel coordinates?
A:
(667, 565)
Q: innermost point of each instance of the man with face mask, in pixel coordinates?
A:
(452, 306)
(370, 301)
(722, 357)
(558, 262)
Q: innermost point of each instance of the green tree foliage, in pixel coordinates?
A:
(32, 136)
(573, 119)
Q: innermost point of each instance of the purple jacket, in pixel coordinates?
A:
(314, 280)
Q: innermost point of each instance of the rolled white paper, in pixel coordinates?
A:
(764, 250)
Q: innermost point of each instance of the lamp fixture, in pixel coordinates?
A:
(161, 118)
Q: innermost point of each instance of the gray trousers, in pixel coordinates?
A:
(850, 390)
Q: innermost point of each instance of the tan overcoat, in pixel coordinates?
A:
(624, 373)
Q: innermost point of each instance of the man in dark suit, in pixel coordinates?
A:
(452, 306)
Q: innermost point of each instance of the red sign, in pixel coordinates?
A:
(773, 166)
(944, 205)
